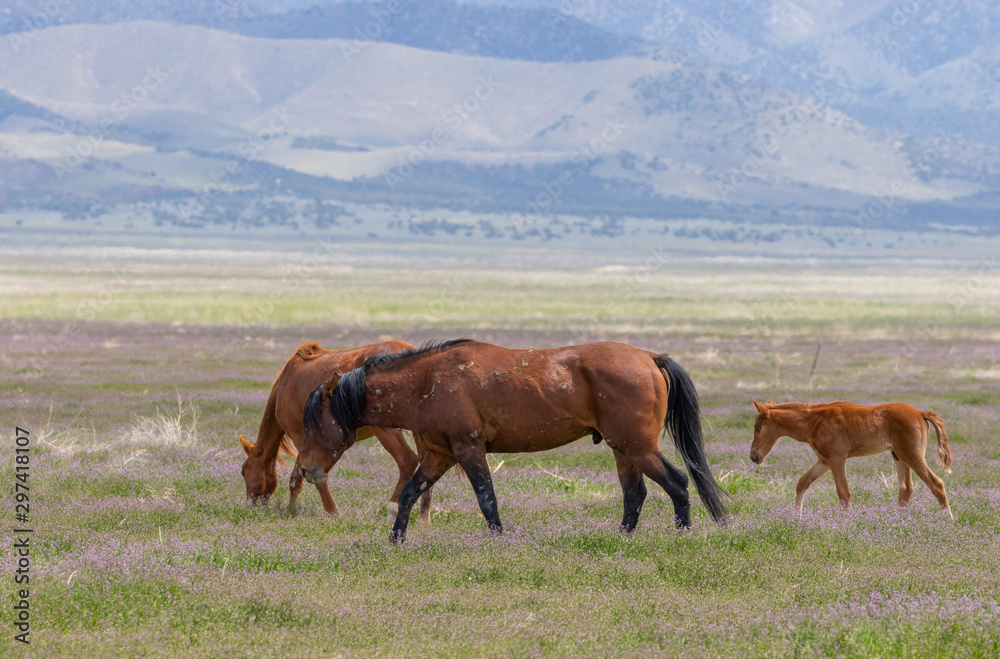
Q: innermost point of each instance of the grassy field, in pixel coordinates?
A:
(135, 381)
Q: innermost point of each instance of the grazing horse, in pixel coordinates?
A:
(837, 431)
(467, 399)
(281, 427)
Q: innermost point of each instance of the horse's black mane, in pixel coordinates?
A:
(348, 401)
(432, 345)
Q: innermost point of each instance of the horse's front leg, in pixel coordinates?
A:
(432, 467)
(294, 488)
(808, 479)
(394, 443)
(295, 483)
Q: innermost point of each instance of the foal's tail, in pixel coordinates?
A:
(683, 422)
(943, 450)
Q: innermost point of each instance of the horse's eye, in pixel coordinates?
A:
(243, 472)
(756, 428)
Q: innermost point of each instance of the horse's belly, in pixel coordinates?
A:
(509, 440)
(870, 443)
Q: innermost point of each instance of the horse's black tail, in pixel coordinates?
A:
(683, 422)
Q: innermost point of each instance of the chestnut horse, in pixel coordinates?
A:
(281, 427)
(838, 431)
(467, 399)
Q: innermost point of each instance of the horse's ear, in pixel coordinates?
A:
(247, 446)
(763, 411)
(770, 403)
(331, 384)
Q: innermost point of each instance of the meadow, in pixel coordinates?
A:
(135, 380)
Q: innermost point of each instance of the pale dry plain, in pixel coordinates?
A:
(135, 379)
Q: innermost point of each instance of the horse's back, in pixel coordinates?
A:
(310, 366)
(539, 399)
(872, 428)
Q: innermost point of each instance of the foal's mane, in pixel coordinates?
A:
(348, 400)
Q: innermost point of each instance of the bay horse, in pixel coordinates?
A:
(842, 430)
(467, 399)
(281, 426)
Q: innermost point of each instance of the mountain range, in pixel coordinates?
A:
(803, 112)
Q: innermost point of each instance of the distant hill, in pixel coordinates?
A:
(906, 67)
(596, 112)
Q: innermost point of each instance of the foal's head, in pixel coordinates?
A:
(324, 440)
(260, 478)
(765, 433)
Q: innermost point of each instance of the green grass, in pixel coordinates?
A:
(155, 553)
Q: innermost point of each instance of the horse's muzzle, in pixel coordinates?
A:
(314, 476)
(756, 457)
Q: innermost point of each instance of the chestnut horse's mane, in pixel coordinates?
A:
(310, 350)
(348, 400)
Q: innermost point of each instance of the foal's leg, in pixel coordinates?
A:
(905, 478)
(633, 490)
(394, 443)
(432, 467)
(837, 466)
(673, 481)
(808, 479)
(934, 484)
(472, 459)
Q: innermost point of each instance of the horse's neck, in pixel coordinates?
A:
(795, 423)
(266, 447)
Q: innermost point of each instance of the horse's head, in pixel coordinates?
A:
(323, 441)
(260, 478)
(765, 432)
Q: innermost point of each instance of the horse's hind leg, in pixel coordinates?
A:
(472, 458)
(934, 484)
(673, 481)
(905, 478)
(633, 490)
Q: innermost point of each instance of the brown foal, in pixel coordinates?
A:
(838, 431)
